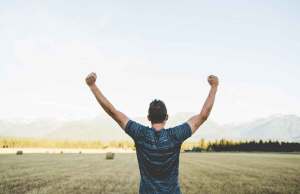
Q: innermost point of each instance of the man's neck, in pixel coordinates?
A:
(158, 126)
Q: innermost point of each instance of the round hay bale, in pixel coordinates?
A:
(19, 152)
(110, 156)
(61, 152)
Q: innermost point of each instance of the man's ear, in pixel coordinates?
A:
(148, 118)
(167, 117)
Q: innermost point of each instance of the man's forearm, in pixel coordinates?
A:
(118, 116)
(105, 104)
(209, 102)
(196, 121)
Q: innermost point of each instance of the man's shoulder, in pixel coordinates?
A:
(180, 132)
(135, 129)
(132, 124)
(183, 125)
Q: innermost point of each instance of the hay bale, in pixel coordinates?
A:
(110, 156)
(19, 152)
(80, 152)
(61, 152)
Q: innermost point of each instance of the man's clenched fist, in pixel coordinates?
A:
(91, 79)
(213, 80)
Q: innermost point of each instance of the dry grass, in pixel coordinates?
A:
(199, 173)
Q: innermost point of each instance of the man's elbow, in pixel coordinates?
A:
(203, 117)
(114, 113)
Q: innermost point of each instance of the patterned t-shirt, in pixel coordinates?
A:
(158, 156)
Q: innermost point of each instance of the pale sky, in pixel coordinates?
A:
(143, 50)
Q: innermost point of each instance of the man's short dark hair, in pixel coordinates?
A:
(157, 112)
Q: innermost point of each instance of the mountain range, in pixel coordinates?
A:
(276, 127)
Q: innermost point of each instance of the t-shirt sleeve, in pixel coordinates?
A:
(134, 129)
(181, 132)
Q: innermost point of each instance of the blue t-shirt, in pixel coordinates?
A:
(158, 156)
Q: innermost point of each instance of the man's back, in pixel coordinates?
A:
(158, 156)
(157, 152)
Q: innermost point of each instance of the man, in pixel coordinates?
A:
(157, 148)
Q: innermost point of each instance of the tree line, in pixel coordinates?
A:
(198, 146)
(247, 146)
(49, 143)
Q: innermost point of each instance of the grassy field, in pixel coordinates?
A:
(199, 173)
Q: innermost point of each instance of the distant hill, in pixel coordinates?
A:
(278, 127)
(23, 128)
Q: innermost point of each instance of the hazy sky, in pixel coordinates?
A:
(143, 50)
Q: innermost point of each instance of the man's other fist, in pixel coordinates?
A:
(213, 80)
(91, 79)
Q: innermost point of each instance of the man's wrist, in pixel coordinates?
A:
(215, 87)
(92, 86)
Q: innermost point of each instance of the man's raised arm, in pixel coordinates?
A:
(118, 116)
(196, 121)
